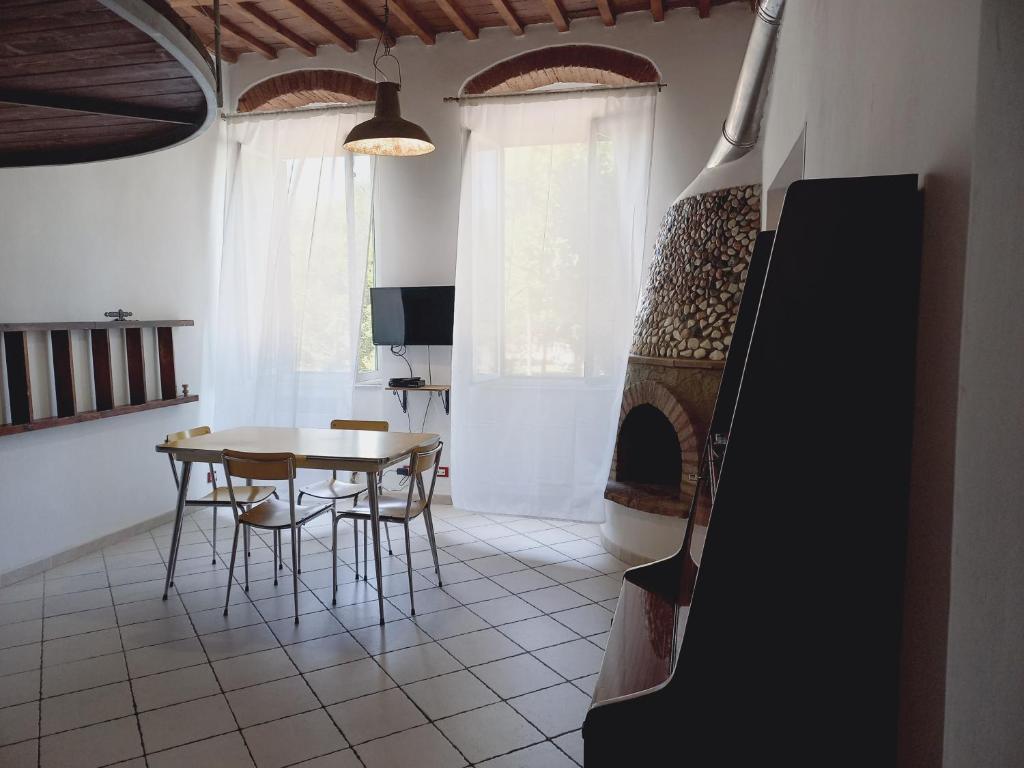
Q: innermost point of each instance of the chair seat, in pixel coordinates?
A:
(332, 488)
(391, 508)
(274, 513)
(244, 494)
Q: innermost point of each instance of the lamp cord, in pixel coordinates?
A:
(385, 40)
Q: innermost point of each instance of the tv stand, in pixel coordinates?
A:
(444, 391)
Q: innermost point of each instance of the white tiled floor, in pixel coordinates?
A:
(495, 669)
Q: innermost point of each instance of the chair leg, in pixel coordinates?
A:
(245, 560)
(277, 552)
(298, 532)
(366, 560)
(355, 544)
(295, 572)
(387, 532)
(408, 562)
(214, 560)
(334, 559)
(280, 552)
(231, 570)
(429, 520)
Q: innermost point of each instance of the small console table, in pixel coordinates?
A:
(444, 391)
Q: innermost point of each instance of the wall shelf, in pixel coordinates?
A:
(64, 388)
(444, 391)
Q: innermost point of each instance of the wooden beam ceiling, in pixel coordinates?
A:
(275, 27)
(557, 14)
(324, 23)
(508, 15)
(703, 8)
(607, 12)
(458, 17)
(361, 16)
(658, 10)
(252, 42)
(412, 21)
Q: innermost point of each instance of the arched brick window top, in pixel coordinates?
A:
(304, 88)
(590, 64)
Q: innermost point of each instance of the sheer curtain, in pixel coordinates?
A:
(297, 230)
(551, 237)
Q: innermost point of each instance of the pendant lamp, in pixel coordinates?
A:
(387, 133)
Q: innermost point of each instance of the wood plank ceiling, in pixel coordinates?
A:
(78, 82)
(265, 27)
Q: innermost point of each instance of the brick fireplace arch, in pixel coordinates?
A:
(584, 64)
(653, 394)
(302, 88)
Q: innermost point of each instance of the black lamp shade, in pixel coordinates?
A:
(387, 133)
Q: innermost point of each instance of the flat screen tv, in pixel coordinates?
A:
(410, 316)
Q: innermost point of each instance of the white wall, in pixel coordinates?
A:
(889, 88)
(419, 197)
(985, 694)
(78, 241)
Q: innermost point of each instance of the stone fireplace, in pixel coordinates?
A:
(680, 341)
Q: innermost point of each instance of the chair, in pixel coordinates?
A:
(334, 490)
(394, 509)
(270, 514)
(218, 497)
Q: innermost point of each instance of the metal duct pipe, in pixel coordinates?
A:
(743, 125)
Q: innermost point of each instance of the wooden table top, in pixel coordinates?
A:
(349, 449)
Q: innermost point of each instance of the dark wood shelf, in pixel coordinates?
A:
(88, 325)
(444, 391)
(121, 410)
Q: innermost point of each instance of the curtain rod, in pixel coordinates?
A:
(296, 111)
(532, 94)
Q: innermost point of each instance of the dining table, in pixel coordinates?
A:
(343, 450)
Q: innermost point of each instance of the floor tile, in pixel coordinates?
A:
(598, 588)
(572, 745)
(579, 548)
(58, 605)
(73, 710)
(254, 668)
(310, 627)
(156, 632)
(393, 636)
(576, 659)
(283, 606)
(504, 610)
(604, 563)
(208, 599)
(25, 590)
(348, 681)
(163, 658)
(121, 576)
(454, 621)
(23, 610)
(346, 758)
(456, 572)
(586, 684)
(22, 658)
(495, 565)
(79, 623)
(213, 620)
(422, 747)
(367, 614)
(585, 620)
(19, 688)
(449, 694)
(139, 611)
(71, 584)
(518, 582)
(489, 731)
(540, 556)
(182, 723)
(325, 651)
(93, 746)
(235, 642)
(226, 751)
(293, 739)
(538, 633)
(558, 598)
(175, 687)
(419, 662)
(24, 754)
(271, 701)
(543, 755)
(554, 711)
(476, 591)
(19, 723)
(376, 715)
(21, 633)
(480, 647)
(516, 675)
(568, 571)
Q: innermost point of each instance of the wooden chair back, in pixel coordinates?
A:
(184, 435)
(368, 426)
(419, 463)
(259, 466)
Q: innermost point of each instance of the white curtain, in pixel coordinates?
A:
(551, 237)
(293, 269)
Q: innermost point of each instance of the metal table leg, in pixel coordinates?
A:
(371, 487)
(179, 514)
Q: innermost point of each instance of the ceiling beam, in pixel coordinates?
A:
(557, 14)
(412, 21)
(363, 17)
(506, 12)
(607, 12)
(703, 8)
(275, 27)
(250, 41)
(73, 103)
(657, 10)
(325, 23)
(458, 17)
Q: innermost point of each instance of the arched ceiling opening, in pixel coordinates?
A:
(305, 88)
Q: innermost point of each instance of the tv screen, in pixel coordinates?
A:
(410, 316)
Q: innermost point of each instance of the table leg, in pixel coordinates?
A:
(179, 514)
(371, 488)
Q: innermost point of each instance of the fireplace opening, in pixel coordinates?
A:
(648, 452)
